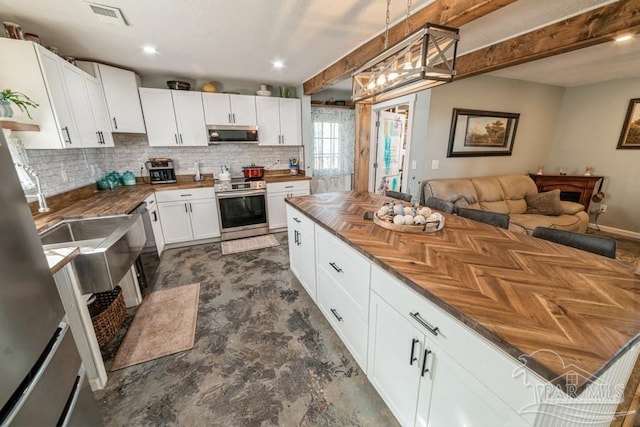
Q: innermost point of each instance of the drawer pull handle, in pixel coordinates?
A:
(424, 323)
(413, 349)
(426, 369)
(335, 267)
(296, 220)
(185, 195)
(288, 186)
(155, 216)
(335, 313)
(115, 123)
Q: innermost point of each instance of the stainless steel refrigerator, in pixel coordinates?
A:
(42, 382)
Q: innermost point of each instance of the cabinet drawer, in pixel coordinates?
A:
(335, 305)
(299, 221)
(490, 365)
(288, 186)
(186, 194)
(348, 268)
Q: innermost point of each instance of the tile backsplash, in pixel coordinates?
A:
(64, 170)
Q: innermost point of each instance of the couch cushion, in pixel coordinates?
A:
(490, 194)
(563, 222)
(451, 190)
(515, 188)
(571, 208)
(547, 203)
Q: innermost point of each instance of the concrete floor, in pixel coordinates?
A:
(263, 355)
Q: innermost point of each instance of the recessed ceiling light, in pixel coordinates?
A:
(278, 64)
(624, 38)
(150, 50)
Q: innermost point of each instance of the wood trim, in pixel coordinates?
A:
(588, 29)
(16, 126)
(454, 13)
(362, 147)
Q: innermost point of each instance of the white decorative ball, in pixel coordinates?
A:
(408, 220)
(398, 210)
(436, 216)
(382, 211)
(398, 219)
(419, 219)
(425, 212)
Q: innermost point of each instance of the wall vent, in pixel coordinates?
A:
(108, 14)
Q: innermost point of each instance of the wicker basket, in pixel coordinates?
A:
(107, 314)
(429, 227)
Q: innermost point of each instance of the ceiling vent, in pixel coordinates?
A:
(108, 14)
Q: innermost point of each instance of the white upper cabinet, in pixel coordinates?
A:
(279, 121)
(79, 101)
(226, 109)
(173, 118)
(121, 93)
(99, 110)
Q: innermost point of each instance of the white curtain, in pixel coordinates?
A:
(333, 148)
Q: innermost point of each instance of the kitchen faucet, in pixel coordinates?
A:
(42, 201)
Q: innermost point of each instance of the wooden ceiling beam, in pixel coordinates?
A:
(453, 13)
(597, 26)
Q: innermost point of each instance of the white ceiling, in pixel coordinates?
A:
(238, 39)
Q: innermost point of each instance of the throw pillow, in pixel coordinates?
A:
(547, 203)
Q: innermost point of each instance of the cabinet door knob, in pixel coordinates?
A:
(424, 323)
(335, 267)
(413, 358)
(426, 369)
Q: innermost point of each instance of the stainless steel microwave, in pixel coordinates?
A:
(232, 134)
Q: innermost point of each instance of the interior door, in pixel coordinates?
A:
(389, 145)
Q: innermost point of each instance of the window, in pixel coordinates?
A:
(326, 144)
(333, 141)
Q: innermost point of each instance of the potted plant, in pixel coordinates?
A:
(22, 101)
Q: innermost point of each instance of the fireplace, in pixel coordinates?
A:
(573, 188)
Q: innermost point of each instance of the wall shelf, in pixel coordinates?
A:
(19, 127)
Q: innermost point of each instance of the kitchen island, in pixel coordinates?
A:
(568, 318)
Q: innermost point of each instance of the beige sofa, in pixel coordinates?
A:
(506, 194)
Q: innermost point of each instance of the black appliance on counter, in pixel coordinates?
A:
(161, 171)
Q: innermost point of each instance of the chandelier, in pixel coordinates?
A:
(423, 59)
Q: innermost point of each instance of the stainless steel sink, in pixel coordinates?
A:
(109, 245)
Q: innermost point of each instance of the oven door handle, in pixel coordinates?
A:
(236, 194)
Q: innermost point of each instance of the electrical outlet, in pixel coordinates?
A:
(603, 208)
(435, 164)
(141, 166)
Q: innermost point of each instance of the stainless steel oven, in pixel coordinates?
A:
(242, 208)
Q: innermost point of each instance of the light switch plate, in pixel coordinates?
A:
(414, 164)
(435, 164)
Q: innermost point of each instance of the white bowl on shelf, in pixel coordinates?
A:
(263, 93)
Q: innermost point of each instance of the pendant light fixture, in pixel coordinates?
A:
(423, 59)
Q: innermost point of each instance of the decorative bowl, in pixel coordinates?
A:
(263, 93)
(178, 85)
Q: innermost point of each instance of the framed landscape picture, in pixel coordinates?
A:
(630, 135)
(482, 133)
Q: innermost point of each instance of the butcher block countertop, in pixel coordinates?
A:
(120, 200)
(521, 293)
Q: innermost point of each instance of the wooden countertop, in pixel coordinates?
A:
(120, 200)
(521, 293)
(283, 175)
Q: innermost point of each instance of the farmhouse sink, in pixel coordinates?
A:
(108, 245)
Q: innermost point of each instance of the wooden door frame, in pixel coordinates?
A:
(409, 100)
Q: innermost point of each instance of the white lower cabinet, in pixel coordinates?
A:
(276, 194)
(156, 228)
(302, 259)
(188, 215)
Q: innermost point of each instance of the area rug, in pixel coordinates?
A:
(164, 324)
(248, 244)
